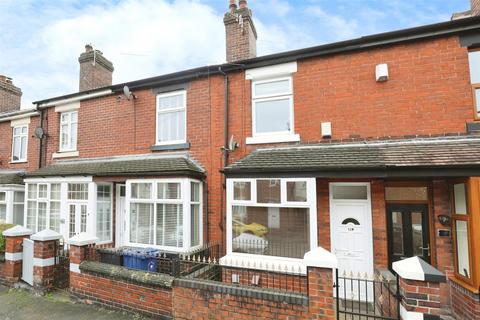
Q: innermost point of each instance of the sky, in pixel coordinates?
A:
(40, 40)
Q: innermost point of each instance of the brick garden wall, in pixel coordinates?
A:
(121, 294)
(465, 304)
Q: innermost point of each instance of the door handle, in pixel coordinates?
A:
(426, 248)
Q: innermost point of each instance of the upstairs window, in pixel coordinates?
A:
(19, 144)
(171, 117)
(68, 131)
(272, 103)
(474, 61)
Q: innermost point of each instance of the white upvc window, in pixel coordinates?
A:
(164, 213)
(43, 207)
(171, 118)
(275, 218)
(3, 206)
(68, 131)
(272, 102)
(19, 143)
(104, 212)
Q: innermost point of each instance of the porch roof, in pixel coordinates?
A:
(445, 156)
(169, 166)
(11, 177)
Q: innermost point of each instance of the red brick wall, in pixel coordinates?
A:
(6, 132)
(465, 304)
(421, 296)
(154, 301)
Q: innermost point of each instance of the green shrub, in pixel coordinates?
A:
(3, 227)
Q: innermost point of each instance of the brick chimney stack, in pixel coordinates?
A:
(95, 70)
(240, 32)
(475, 7)
(10, 95)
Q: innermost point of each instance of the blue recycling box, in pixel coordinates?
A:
(141, 259)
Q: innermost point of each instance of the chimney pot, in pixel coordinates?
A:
(240, 32)
(233, 5)
(88, 48)
(243, 4)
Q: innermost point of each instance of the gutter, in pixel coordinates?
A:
(75, 98)
(20, 116)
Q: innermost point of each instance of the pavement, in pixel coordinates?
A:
(17, 304)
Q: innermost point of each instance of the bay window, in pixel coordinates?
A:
(11, 205)
(164, 213)
(43, 207)
(19, 143)
(171, 117)
(271, 217)
(465, 215)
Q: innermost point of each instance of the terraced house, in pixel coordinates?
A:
(368, 148)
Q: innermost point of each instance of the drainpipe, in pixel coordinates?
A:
(40, 151)
(225, 151)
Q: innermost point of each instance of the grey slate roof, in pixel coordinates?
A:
(11, 178)
(402, 154)
(146, 166)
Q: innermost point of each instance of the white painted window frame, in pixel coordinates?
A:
(185, 201)
(10, 199)
(109, 240)
(263, 98)
(310, 204)
(5, 202)
(21, 135)
(70, 147)
(170, 110)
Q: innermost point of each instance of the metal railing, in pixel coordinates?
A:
(360, 297)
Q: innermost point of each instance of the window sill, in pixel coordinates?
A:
(463, 284)
(176, 146)
(65, 154)
(274, 139)
(16, 162)
(267, 263)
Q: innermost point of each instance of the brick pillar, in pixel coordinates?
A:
(45, 245)
(12, 272)
(79, 246)
(419, 289)
(320, 264)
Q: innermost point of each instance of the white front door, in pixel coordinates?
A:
(77, 218)
(351, 234)
(120, 224)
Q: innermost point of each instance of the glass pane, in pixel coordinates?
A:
(242, 190)
(268, 191)
(55, 191)
(406, 193)
(168, 191)
(42, 191)
(460, 198)
(272, 116)
(31, 215)
(104, 204)
(18, 213)
(397, 230)
(83, 218)
(72, 223)
(42, 216)
(195, 225)
(463, 258)
(474, 61)
(55, 216)
(141, 190)
(3, 213)
(32, 191)
(282, 232)
(195, 192)
(272, 88)
(417, 234)
(171, 126)
(141, 223)
(297, 191)
(23, 148)
(2, 196)
(477, 99)
(103, 192)
(16, 149)
(350, 192)
(170, 225)
(19, 196)
(73, 136)
(78, 191)
(171, 102)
